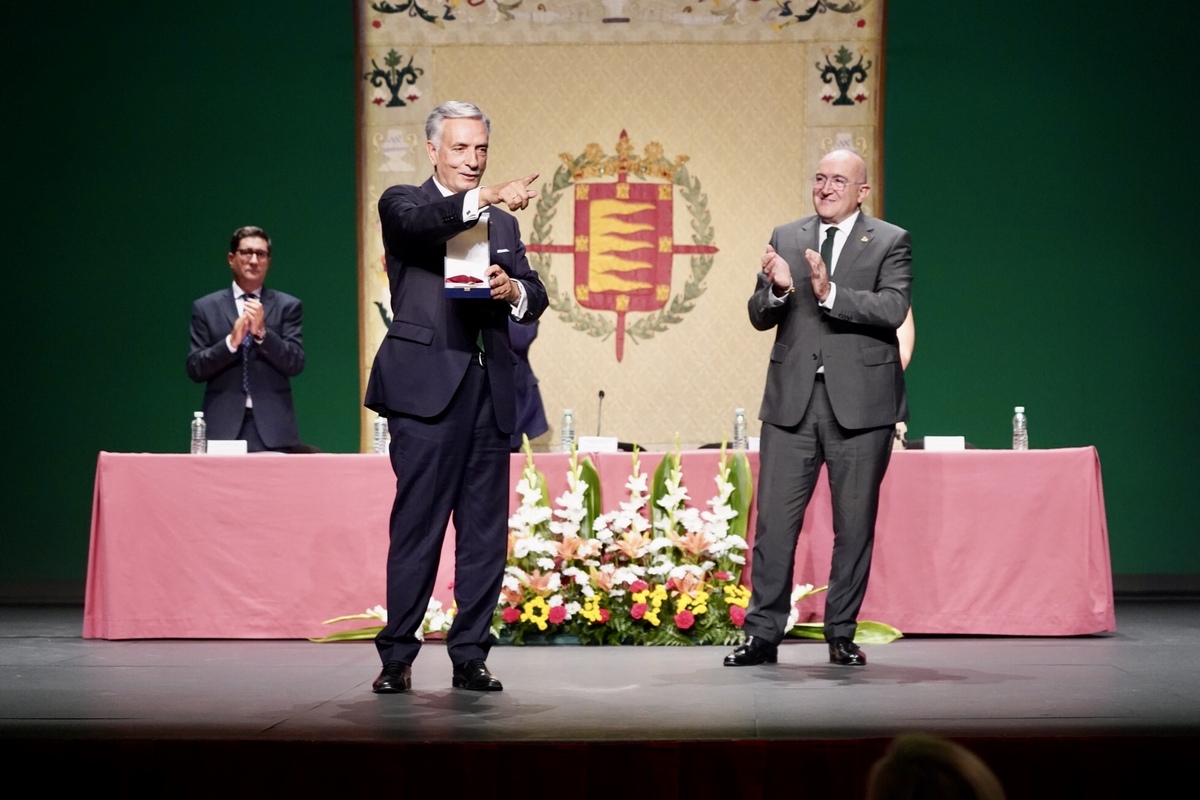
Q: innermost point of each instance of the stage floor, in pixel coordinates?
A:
(1141, 680)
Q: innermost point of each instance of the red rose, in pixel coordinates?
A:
(684, 620)
(638, 611)
(511, 615)
(722, 575)
(604, 615)
(639, 586)
(738, 615)
(557, 614)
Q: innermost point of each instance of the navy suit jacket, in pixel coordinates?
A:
(271, 366)
(856, 340)
(429, 346)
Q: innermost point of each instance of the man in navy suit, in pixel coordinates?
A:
(246, 345)
(834, 287)
(444, 378)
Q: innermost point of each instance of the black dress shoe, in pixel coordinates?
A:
(845, 652)
(755, 650)
(474, 675)
(394, 679)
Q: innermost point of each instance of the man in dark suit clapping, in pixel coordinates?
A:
(247, 345)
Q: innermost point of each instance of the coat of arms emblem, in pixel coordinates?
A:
(624, 242)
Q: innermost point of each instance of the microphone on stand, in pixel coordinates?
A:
(599, 409)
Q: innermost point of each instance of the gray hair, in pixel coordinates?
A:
(452, 109)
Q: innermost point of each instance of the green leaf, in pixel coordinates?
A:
(591, 498)
(356, 635)
(872, 632)
(808, 630)
(658, 487)
(743, 493)
(868, 632)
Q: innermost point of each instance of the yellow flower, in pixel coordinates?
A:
(591, 609)
(537, 612)
(737, 595)
(698, 604)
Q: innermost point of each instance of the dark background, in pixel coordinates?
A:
(1043, 156)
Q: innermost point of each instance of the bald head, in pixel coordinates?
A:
(840, 185)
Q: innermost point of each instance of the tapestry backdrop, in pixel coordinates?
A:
(669, 139)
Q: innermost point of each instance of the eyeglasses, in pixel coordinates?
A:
(263, 255)
(837, 183)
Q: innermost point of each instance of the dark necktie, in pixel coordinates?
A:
(827, 257)
(827, 248)
(246, 350)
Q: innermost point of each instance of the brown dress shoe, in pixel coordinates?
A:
(394, 679)
(846, 653)
(755, 650)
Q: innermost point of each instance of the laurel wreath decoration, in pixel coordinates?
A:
(594, 164)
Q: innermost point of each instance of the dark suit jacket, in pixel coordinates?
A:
(429, 346)
(856, 340)
(272, 364)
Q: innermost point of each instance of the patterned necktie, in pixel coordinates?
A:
(246, 350)
(827, 248)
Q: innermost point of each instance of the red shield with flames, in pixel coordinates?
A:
(623, 247)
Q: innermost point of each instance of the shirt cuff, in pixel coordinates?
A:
(774, 300)
(828, 301)
(470, 210)
(520, 307)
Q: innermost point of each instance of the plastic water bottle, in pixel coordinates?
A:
(382, 436)
(1020, 429)
(567, 436)
(199, 433)
(739, 429)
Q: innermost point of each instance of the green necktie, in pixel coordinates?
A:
(827, 248)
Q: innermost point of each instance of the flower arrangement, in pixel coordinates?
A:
(653, 571)
(656, 570)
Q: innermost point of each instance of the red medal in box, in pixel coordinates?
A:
(467, 260)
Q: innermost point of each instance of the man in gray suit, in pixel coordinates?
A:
(246, 345)
(834, 286)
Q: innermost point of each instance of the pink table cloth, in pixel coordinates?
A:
(268, 546)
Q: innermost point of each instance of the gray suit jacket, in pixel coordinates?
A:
(271, 366)
(856, 340)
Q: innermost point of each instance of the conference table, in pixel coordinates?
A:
(269, 546)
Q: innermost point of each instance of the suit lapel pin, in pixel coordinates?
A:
(865, 239)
